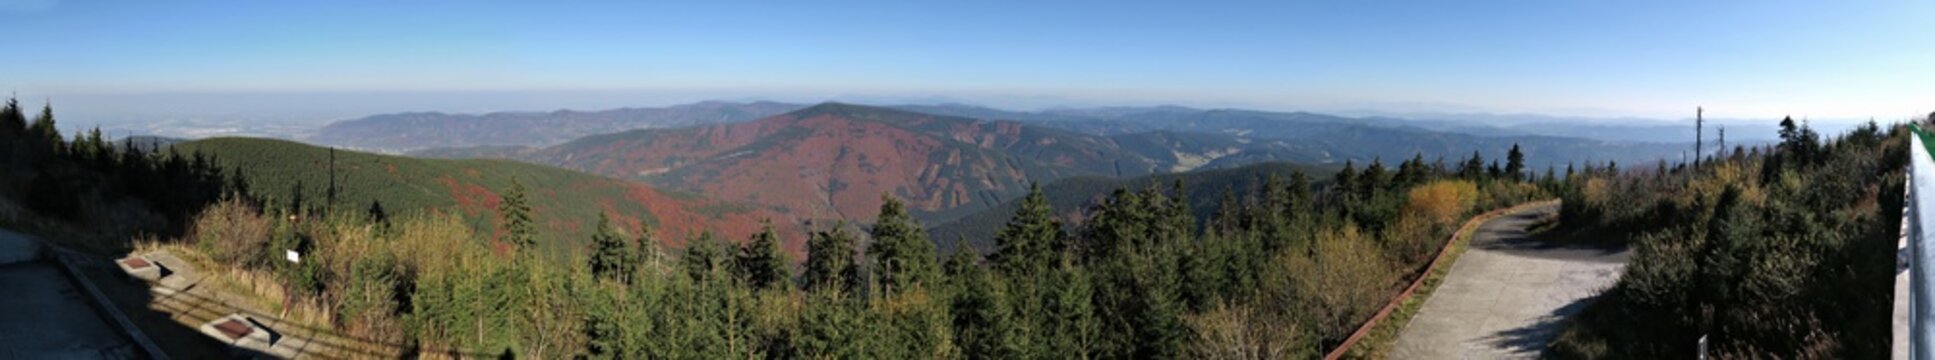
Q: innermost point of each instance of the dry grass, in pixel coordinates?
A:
(231, 242)
(1239, 331)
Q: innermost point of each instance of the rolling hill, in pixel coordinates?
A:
(565, 203)
(412, 131)
(833, 161)
(1072, 196)
(1360, 139)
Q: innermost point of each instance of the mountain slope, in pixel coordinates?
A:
(833, 161)
(565, 204)
(1072, 196)
(829, 161)
(1360, 139)
(410, 131)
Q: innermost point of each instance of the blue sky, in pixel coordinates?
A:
(1824, 59)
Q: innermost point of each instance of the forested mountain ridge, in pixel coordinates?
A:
(564, 202)
(1781, 251)
(1073, 195)
(1361, 139)
(421, 130)
(833, 161)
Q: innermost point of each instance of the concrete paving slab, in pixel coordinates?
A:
(1506, 297)
(51, 319)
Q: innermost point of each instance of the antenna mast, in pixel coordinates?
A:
(1699, 123)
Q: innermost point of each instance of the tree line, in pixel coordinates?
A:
(1289, 268)
(1286, 269)
(1783, 251)
(89, 188)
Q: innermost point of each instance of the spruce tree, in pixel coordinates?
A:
(1473, 168)
(1022, 248)
(377, 215)
(1229, 214)
(514, 213)
(647, 251)
(1267, 218)
(44, 128)
(1345, 183)
(1176, 224)
(1070, 315)
(706, 258)
(1515, 164)
(12, 121)
(1373, 180)
(761, 263)
(902, 256)
(610, 257)
(983, 323)
(1300, 193)
(1137, 293)
(829, 261)
(1118, 226)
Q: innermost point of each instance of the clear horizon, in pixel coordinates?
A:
(126, 61)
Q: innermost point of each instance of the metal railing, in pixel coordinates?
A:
(1921, 261)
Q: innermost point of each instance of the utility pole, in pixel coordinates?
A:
(1699, 122)
(1723, 141)
(330, 203)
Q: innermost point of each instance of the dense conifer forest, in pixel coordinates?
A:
(1284, 269)
(1788, 250)
(1784, 249)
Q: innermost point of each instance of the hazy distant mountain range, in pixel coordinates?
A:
(835, 160)
(411, 131)
(1361, 139)
(401, 132)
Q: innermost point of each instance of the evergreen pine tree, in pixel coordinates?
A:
(1373, 180)
(761, 264)
(12, 121)
(1229, 213)
(829, 261)
(1176, 225)
(982, 321)
(902, 256)
(1266, 217)
(514, 213)
(1300, 193)
(1070, 315)
(1473, 168)
(377, 215)
(1515, 164)
(44, 128)
(1345, 183)
(648, 254)
(706, 258)
(1138, 302)
(610, 257)
(1022, 248)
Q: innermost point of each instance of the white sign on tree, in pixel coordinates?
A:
(292, 255)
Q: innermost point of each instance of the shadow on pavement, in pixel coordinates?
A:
(1507, 235)
(1532, 339)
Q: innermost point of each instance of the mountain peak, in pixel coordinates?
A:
(865, 112)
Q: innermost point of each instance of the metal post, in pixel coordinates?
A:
(1703, 347)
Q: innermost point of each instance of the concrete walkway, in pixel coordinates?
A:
(1507, 295)
(44, 315)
